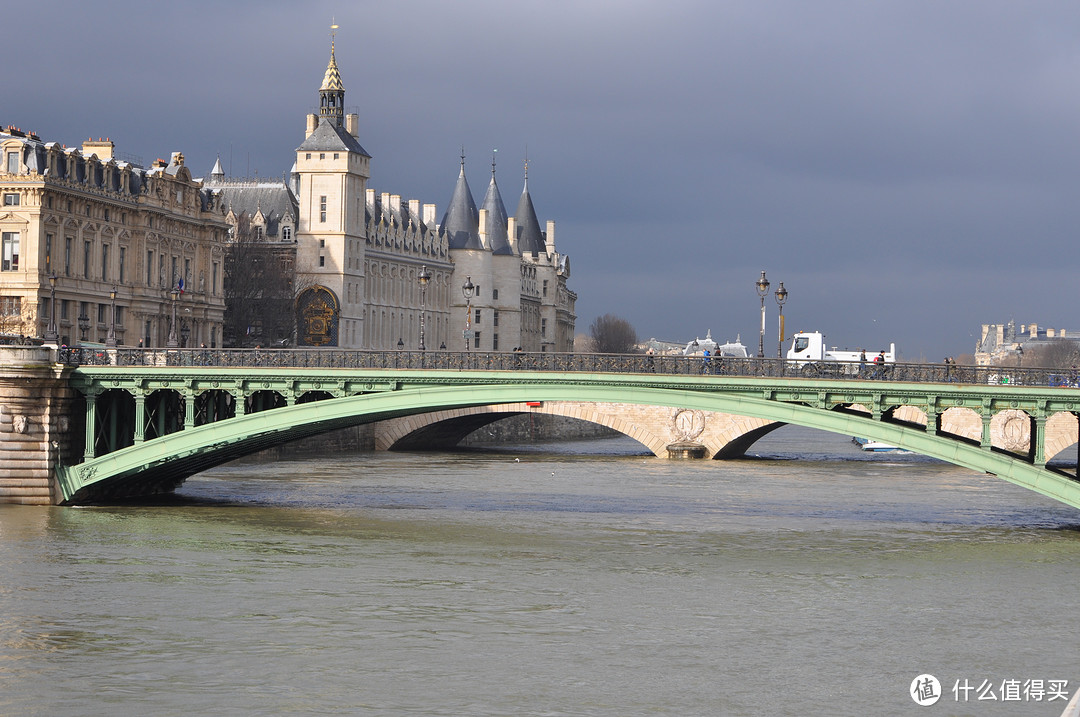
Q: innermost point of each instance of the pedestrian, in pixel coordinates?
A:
(705, 357)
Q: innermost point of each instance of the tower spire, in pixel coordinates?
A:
(332, 92)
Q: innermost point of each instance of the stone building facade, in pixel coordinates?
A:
(1003, 344)
(360, 253)
(98, 225)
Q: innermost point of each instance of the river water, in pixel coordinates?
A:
(567, 579)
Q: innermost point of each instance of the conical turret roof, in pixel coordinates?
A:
(332, 78)
(495, 226)
(461, 223)
(529, 237)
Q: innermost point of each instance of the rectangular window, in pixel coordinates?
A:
(308, 156)
(11, 200)
(13, 162)
(64, 308)
(10, 305)
(68, 241)
(175, 276)
(322, 243)
(476, 339)
(123, 251)
(322, 261)
(494, 318)
(104, 262)
(86, 260)
(149, 267)
(10, 255)
(48, 253)
(213, 279)
(495, 294)
(494, 342)
(477, 319)
(543, 327)
(545, 287)
(322, 209)
(101, 313)
(187, 274)
(161, 270)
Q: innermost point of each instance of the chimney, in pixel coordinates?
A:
(395, 202)
(429, 215)
(511, 233)
(549, 237)
(312, 123)
(103, 148)
(352, 125)
(414, 208)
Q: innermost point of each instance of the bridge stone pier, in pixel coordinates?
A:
(667, 432)
(35, 424)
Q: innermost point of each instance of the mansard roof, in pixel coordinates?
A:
(274, 200)
(495, 226)
(328, 137)
(529, 237)
(461, 223)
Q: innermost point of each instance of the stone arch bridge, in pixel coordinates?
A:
(142, 422)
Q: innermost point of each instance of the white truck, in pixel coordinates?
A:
(809, 355)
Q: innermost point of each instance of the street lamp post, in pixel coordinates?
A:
(84, 326)
(423, 277)
(467, 290)
(51, 334)
(762, 286)
(110, 338)
(781, 296)
(173, 343)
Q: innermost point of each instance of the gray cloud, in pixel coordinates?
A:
(907, 168)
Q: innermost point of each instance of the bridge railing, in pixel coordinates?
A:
(564, 362)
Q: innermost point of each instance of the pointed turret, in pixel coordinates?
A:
(495, 225)
(332, 92)
(217, 174)
(530, 240)
(461, 223)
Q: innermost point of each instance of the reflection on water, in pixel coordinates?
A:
(809, 578)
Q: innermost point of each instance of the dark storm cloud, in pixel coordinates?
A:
(908, 169)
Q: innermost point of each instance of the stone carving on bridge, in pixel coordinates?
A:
(20, 424)
(1014, 431)
(687, 425)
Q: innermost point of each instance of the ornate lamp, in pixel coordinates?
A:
(51, 335)
(762, 286)
(781, 296)
(467, 290)
(110, 338)
(423, 277)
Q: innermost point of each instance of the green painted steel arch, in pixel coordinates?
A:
(171, 459)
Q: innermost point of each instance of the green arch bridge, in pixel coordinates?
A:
(151, 418)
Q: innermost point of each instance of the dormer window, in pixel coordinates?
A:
(13, 162)
(286, 234)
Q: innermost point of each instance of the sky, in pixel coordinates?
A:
(908, 168)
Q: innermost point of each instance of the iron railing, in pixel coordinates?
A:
(566, 362)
